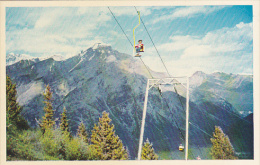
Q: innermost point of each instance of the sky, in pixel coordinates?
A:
(188, 38)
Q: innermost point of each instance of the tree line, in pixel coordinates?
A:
(48, 142)
(51, 142)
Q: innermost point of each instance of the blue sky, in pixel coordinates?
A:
(188, 38)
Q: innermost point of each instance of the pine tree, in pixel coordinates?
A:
(13, 116)
(148, 152)
(221, 145)
(82, 132)
(47, 119)
(64, 122)
(66, 135)
(13, 109)
(106, 143)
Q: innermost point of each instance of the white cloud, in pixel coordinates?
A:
(220, 41)
(179, 43)
(43, 22)
(115, 34)
(65, 30)
(49, 17)
(39, 42)
(197, 51)
(230, 39)
(191, 11)
(59, 31)
(228, 49)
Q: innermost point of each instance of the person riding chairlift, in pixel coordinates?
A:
(139, 48)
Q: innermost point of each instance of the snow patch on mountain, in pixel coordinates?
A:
(51, 66)
(28, 92)
(76, 65)
(91, 57)
(63, 88)
(111, 58)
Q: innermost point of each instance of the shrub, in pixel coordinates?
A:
(76, 149)
(22, 146)
(50, 146)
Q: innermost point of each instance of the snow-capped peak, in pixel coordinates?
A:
(12, 58)
(56, 57)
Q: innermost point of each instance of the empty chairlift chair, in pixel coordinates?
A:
(181, 147)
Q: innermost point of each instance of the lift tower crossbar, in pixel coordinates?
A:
(156, 83)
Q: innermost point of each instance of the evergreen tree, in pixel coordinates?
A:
(66, 135)
(47, 119)
(64, 124)
(148, 152)
(106, 144)
(221, 145)
(13, 109)
(13, 117)
(82, 132)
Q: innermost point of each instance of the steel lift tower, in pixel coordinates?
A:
(156, 83)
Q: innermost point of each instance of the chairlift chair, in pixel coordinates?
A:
(141, 46)
(181, 147)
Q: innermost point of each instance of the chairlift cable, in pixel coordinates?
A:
(163, 64)
(160, 57)
(200, 129)
(129, 40)
(146, 67)
(153, 44)
(120, 26)
(166, 70)
(174, 119)
(144, 63)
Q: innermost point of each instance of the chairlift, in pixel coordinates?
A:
(181, 147)
(140, 46)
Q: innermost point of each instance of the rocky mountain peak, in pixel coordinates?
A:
(199, 73)
(102, 79)
(197, 79)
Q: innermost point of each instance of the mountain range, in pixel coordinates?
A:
(103, 79)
